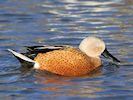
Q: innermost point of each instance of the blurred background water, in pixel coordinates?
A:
(55, 22)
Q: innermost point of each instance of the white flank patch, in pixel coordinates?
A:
(36, 65)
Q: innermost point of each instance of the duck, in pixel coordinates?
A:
(66, 60)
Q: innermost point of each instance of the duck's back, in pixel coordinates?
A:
(67, 62)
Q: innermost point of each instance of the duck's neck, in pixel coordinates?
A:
(96, 61)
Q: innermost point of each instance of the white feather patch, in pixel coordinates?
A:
(21, 56)
(36, 65)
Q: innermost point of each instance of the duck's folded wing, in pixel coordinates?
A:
(44, 49)
(27, 58)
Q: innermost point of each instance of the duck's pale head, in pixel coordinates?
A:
(92, 46)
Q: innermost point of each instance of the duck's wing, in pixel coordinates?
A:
(34, 50)
(27, 58)
(44, 49)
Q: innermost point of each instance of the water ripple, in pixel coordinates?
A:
(56, 22)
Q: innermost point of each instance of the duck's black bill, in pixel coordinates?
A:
(107, 55)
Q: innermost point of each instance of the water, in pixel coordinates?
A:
(50, 22)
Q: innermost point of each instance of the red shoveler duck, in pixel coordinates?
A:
(66, 60)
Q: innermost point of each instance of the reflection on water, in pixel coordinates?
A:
(71, 86)
(50, 22)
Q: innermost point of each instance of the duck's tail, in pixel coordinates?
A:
(25, 61)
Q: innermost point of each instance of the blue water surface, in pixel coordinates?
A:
(57, 22)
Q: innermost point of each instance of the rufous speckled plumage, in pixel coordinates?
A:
(68, 61)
